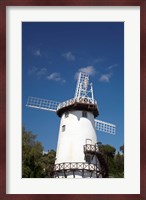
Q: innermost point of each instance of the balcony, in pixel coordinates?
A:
(90, 149)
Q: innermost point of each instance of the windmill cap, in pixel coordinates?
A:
(74, 104)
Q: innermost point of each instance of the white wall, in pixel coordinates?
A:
(71, 141)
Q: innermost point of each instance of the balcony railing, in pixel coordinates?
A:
(89, 148)
(69, 102)
(75, 166)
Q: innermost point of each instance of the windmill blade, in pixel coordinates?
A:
(82, 85)
(105, 127)
(43, 104)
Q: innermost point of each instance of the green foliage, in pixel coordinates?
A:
(34, 163)
(48, 161)
(115, 162)
(107, 150)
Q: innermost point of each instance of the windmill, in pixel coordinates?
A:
(77, 154)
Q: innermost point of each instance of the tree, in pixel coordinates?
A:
(31, 155)
(48, 161)
(115, 162)
(35, 164)
(119, 165)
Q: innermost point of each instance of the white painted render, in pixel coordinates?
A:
(78, 132)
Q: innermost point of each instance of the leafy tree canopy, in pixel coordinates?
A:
(114, 161)
(35, 164)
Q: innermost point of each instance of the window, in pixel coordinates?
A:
(66, 114)
(84, 114)
(63, 128)
(88, 141)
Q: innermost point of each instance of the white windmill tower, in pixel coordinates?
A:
(77, 153)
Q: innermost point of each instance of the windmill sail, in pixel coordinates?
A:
(105, 127)
(82, 83)
(43, 104)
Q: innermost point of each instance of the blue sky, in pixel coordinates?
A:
(52, 54)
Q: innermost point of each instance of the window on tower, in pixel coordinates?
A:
(66, 114)
(84, 114)
(63, 128)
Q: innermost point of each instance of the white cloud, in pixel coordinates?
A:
(112, 66)
(105, 77)
(56, 77)
(90, 70)
(38, 72)
(69, 56)
(35, 51)
(41, 72)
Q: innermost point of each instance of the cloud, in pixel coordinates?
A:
(38, 72)
(41, 72)
(105, 77)
(112, 66)
(56, 77)
(35, 51)
(69, 56)
(90, 70)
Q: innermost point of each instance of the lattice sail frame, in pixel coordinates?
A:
(43, 104)
(84, 89)
(105, 127)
